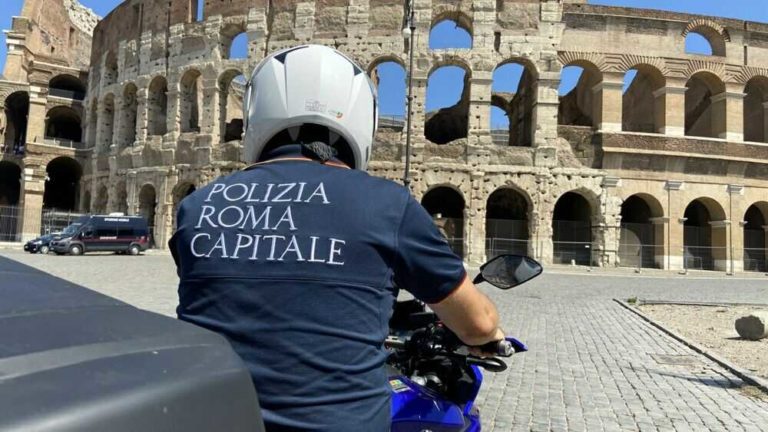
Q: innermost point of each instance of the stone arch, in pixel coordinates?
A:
(390, 77)
(67, 86)
(233, 35)
(507, 220)
(572, 228)
(704, 235)
(107, 117)
(157, 106)
(641, 240)
(16, 110)
(62, 184)
(705, 105)
(386, 58)
(129, 114)
(519, 96)
(462, 31)
(148, 207)
(713, 32)
(110, 71)
(190, 100)
(231, 92)
(643, 110)
(181, 191)
(447, 123)
(10, 183)
(102, 198)
(756, 109)
(755, 233)
(446, 205)
(577, 106)
(63, 123)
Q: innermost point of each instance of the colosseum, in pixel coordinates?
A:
(669, 171)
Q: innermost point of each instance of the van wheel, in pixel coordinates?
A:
(44, 250)
(75, 250)
(134, 250)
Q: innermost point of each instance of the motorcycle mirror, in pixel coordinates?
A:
(509, 271)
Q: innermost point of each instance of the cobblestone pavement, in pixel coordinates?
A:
(593, 366)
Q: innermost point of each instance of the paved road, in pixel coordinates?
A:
(593, 366)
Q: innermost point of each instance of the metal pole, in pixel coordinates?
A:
(412, 26)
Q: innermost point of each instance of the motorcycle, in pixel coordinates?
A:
(434, 378)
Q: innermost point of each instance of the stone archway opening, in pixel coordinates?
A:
(390, 80)
(148, 208)
(447, 105)
(129, 114)
(157, 102)
(102, 198)
(234, 43)
(755, 110)
(180, 192)
(17, 114)
(451, 31)
(513, 91)
(107, 126)
(10, 193)
(572, 230)
(10, 183)
(578, 106)
(704, 239)
(190, 101)
(755, 236)
(63, 123)
(642, 110)
(705, 106)
(446, 205)
(640, 240)
(506, 223)
(62, 184)
(231, 92)
(67, 86)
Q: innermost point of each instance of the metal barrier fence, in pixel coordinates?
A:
(499, 246)
(10, 223)
(755, 260)
(54, 220)
(579, 253)
(457, 245)
(703, 257)
(637, 255)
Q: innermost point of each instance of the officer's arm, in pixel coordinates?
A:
(469, 314)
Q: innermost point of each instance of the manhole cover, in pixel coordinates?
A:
(678, 360)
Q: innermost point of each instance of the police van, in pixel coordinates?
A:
(113, 233)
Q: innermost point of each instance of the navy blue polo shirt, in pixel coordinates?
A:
(297, 264)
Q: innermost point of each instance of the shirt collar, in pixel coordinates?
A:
(292, 152)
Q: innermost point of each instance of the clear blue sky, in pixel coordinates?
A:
(445, 83)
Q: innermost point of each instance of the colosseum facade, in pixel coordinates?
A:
(670, 171)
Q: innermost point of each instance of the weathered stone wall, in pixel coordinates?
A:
(176, 137)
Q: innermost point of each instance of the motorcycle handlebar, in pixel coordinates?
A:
(502, 348)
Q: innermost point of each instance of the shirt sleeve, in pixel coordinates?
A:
(425, 265)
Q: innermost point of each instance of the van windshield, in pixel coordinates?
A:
(74, 227)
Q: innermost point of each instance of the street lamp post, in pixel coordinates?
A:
(408, 34)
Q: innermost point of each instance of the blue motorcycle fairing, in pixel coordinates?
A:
(415, 408)
(519, 346)
(468, 407)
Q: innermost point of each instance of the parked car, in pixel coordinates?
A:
(76, 360)
(97, 233)
(41, 244)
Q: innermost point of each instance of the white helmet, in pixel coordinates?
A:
(310, 84)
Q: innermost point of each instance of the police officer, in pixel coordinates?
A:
(296, 259)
